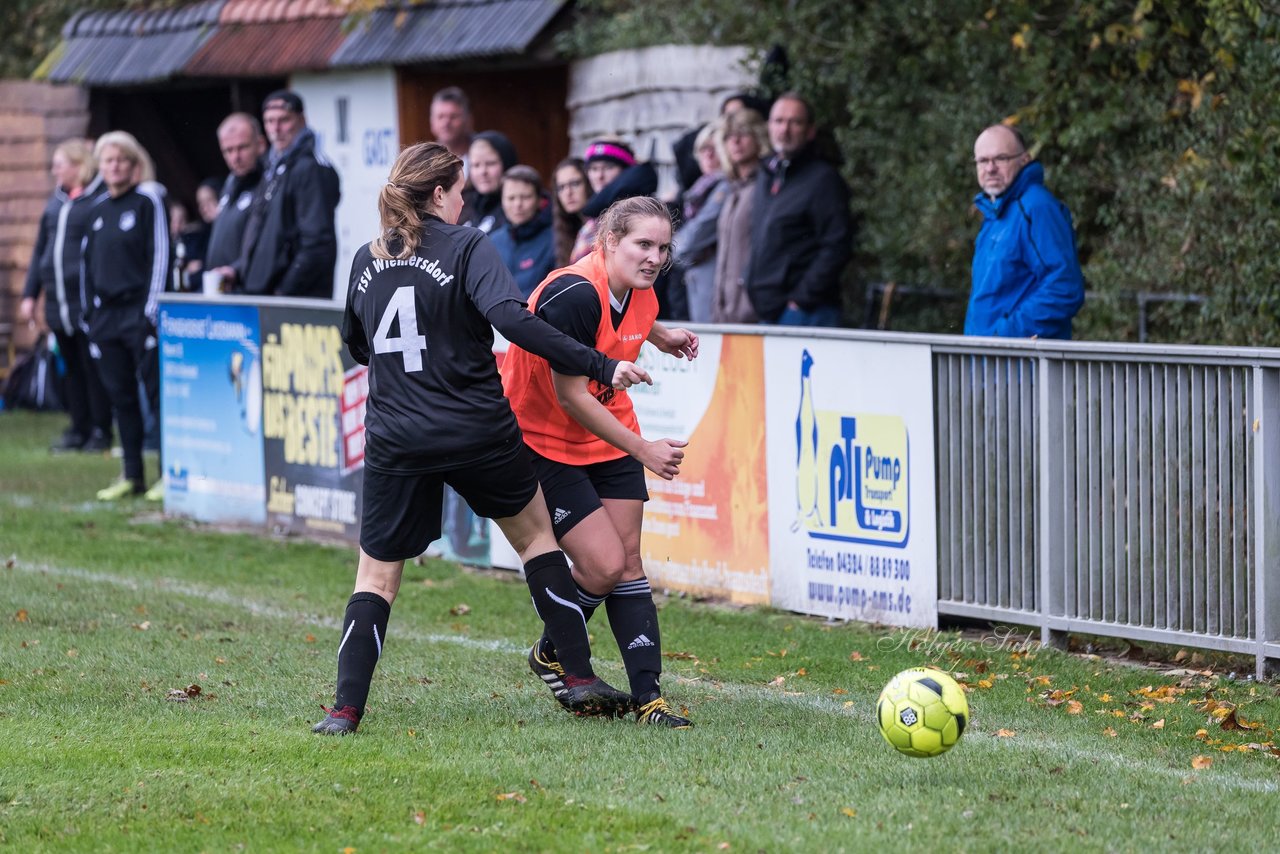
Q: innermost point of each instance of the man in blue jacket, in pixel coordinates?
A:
(1026, 276)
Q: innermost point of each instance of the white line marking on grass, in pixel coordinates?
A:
(1056, 748)
(258, 609)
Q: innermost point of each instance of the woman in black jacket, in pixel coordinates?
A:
(55, 272)
(126, 267)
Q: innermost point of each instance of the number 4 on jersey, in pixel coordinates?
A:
(401, 308)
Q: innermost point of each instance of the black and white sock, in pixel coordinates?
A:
(555, 598)
(588, 602)
(634, 619)
(364, 628)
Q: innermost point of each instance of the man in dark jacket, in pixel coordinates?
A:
(242, 144)
(801, 232)
(290, 245)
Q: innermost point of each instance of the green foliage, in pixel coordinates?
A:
(1155, 121)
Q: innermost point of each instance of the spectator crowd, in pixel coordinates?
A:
(764, 236)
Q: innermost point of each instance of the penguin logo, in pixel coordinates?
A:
(807, 512)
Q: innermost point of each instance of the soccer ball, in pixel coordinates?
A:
(922, 712)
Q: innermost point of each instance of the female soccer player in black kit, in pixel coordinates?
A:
(126, 265)
(422, 304)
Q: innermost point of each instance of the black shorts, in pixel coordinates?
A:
(573, 492)
(402, 511)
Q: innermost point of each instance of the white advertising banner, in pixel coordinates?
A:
(852, 516)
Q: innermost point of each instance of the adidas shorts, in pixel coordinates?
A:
(573, 493)
(402, 511)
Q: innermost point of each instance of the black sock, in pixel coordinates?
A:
(364, 628)
(588, 602)
(555, 598)
(634, 619)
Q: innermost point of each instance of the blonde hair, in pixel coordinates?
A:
(409, 194)
(744, 121)
(622, 216)
(144, 169)
(80, 153)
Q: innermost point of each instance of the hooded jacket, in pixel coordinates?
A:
(1026, 276)
(55, 263)
(290, 245)
(527, 249)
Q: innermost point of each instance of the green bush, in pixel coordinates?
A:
(1155, 122)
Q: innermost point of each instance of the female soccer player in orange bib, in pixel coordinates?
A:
(589, 454)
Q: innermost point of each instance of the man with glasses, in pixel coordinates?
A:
(1026, 276)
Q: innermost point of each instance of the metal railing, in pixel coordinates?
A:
(1121, 490)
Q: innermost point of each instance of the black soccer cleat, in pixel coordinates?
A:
(338, 721)
(547, 668)
(596, 698)
(657, 712)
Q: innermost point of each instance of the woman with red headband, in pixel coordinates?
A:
(614, 174)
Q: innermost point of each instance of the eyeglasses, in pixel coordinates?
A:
(570, 185)
(998, 160)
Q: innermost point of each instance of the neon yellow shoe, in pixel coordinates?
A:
(156, 492)
(120, 489)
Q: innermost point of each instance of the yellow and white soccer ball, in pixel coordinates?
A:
(922, 712)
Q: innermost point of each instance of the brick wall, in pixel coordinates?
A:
(34, 119)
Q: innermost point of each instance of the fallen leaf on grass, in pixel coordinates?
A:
(778, 682)
(461, 609)
(985, 683)
(1158, 724)
(1005, 733)
(1163, 694)
(1109, 732)
(21, 616)
(856, 656)
(419, 818)
(1074, 707)
(839, 691)
(1201, 762)
(310, 638)
(182, 695)
(849, 811)
(1230, 721)
(143, 626)
(513, 796)
(681, 656)
(10, 562)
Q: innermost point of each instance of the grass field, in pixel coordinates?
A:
(108, 612)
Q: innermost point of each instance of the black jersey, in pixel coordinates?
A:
(570, 304)
(424, 326)
(126, 253)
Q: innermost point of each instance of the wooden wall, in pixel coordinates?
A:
(34, 119)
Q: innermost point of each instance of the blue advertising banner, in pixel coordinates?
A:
(211, 410)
